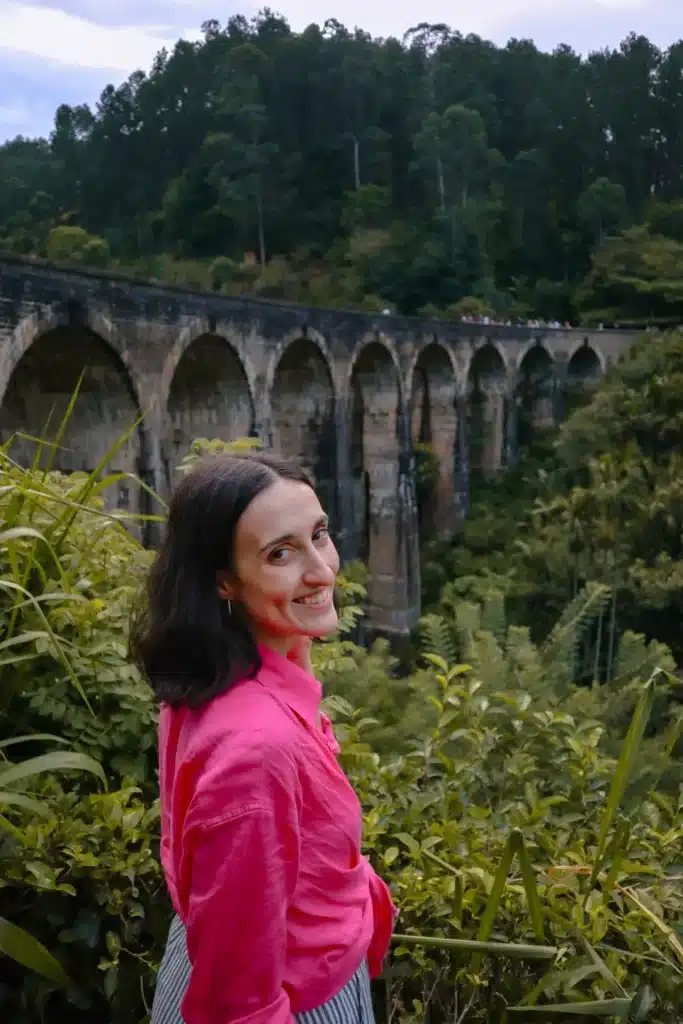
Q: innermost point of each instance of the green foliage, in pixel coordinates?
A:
(78, 869)
(65, 608)
(329, 168)
(528, 827)
(602, 510)
(73, 244)
(634, 280)
(503, 776)
(427, 472)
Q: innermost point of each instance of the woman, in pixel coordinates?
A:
(278, 915)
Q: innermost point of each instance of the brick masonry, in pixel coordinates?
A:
(349, 393)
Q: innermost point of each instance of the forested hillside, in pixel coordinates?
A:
(374, 174)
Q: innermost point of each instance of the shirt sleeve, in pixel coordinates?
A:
(384, 916)
(242, 873)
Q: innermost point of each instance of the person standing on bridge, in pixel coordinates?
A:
(278, 916)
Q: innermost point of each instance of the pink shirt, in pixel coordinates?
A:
(261, 839)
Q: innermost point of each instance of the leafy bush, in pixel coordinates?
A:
(595, 878)
(496, 804)
(69, 575)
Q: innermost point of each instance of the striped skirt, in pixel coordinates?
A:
(353, 1005)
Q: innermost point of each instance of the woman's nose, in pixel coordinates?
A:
(319, 568)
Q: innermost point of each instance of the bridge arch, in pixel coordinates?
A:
(47, 355)
(592, 353)
(70, 317)
(297, 335)
(302, 402)
(197, 329)
(585, 367)
(382, 502)
(374, 340)
(208, 394)
(487, 385)
(535, 393)
(432, 390)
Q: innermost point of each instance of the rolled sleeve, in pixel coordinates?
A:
(384, 917)
(242, 873)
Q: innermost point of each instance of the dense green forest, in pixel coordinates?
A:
(440, 175)
(521, 774)
(521, 766)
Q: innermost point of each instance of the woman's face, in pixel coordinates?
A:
(285, 566)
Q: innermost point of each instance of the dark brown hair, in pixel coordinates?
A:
(184, 639)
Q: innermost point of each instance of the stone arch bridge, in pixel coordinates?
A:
(351, 394)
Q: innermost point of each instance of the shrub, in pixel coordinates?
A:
(507, 822)
(501, 809)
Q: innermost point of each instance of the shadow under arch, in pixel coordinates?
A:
(209, 397)
(434, 426)
(584, 372)
(535, 395)
(382, 499)
(486, 385)
(36, 396)
(302, 404)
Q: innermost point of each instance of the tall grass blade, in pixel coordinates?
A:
(56, 761)
(54, 642)
(513, 950)
(598, 1008)
(494, 900)
(93, 479)
(629, 752)
(666, 930)
(27, 951)
(61, 430)
(616, 853)
(530, 884)
(26, 802)
(602, 967)
(31, 738)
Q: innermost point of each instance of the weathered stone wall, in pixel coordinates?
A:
(347, 393)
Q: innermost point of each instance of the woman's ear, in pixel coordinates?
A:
(225, 589)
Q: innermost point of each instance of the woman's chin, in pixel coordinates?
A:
(326, 625)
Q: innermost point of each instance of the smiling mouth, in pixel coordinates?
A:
(320, 597)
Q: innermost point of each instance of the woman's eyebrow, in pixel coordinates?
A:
(322, 521)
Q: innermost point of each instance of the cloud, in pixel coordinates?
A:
(493, 19)
(52, 34)
(67, 51)
(169, 13)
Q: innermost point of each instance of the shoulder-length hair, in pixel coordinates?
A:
(184, 638)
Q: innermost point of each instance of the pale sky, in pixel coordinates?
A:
(67, 51)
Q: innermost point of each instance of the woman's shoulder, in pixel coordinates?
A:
(250, 709)
(236, 754)
(243, 724)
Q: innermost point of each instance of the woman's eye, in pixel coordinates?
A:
(277, 555)
(321, 534)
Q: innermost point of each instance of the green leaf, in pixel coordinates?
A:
(513, 950)
(57, 761)
(27, 951)
(604, 1008)
(530, 885)
(627, 757)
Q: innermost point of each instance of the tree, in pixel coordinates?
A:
(636, 279)
(601, 209)
(71, 244)
(455, 146)
(494, 165)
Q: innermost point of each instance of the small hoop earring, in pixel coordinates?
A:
(229, 607)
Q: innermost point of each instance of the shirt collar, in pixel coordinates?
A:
(300, 690)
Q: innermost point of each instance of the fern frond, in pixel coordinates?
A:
(488, 660)
(493, 617)
(437, 637)
(561, 651)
